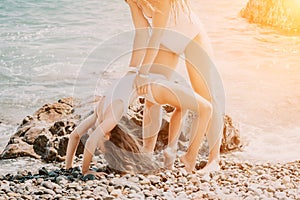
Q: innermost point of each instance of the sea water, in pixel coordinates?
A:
(261, 73)
(43, 46)
(51, 49)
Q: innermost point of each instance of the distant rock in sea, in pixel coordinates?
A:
(282, 15)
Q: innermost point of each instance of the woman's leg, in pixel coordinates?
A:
(207, 83)
(165, 92)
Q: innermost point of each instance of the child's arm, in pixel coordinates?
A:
(96, 137)
(75, 138)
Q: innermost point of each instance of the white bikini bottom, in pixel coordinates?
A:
(123, 90)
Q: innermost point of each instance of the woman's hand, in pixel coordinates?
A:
(141, 84)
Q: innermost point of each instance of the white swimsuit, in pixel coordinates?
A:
(122, 89)
(180, 30)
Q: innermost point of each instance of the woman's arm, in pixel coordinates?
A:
(160, 18)
(142, 34)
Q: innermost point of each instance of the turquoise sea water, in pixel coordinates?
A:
(44, 46)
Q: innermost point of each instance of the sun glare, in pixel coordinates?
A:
(283, 15)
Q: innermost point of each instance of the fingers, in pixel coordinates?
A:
(142, 90)
(145, 89)
(141, 85)
(139, 91)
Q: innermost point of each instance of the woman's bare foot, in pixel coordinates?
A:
(210, 167)
(187, 164)
(170, 156)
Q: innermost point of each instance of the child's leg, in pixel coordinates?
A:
(166, 92)
(151, 125)
(174, 133)
(75, 136)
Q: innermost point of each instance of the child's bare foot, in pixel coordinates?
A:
(170, 156)
(210, 167)
(187, 165)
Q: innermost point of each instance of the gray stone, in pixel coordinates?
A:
(48, 191)
(181, 196)
(271, 189)
(154, 179)
(286, 180)
(145, 181)
(137, 196)
(47, 184)
(116, 193)
(147, 193)
(280, 195)
(73, 185)
(168, 195)
(58, 191)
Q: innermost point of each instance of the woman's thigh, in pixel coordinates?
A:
(198, 64)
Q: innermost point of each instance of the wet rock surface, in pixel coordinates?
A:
(45, 135)
(39, 135)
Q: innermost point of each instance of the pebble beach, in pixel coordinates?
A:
(235, 180)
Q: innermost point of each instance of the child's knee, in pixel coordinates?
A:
(148, 103)
(74, 135)
(206, 108)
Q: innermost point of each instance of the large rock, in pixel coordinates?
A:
(45, 135)
(231, 136)
(282, 15)
(39, 135)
